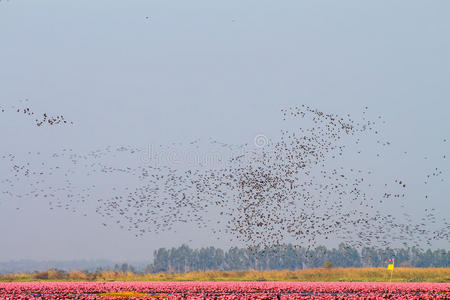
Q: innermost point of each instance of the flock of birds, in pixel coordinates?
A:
(40, 120)
(301, 187)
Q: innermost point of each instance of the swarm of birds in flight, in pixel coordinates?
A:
(304, 187)
(39, 119)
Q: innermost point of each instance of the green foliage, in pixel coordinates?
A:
(184, 259)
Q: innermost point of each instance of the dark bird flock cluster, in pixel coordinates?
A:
(40, 119)
(302, 187)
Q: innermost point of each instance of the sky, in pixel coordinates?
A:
(147, 72)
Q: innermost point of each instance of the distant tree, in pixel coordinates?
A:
(124, 267)
(161, 261)
(370, 257)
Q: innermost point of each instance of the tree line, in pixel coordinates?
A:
(186, 259)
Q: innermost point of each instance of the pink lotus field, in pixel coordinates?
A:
(225, 290)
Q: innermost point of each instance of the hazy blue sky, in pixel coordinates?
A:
(199, 69)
